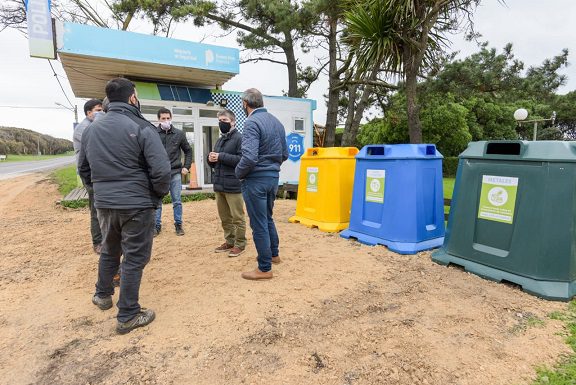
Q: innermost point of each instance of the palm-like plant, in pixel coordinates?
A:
(402, 39)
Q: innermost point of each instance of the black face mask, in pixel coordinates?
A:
(224, 127)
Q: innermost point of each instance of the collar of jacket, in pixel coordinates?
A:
(259, 109)
(121, 107)
(229, 133)
(160, 130)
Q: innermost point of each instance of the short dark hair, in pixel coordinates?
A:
(163, 111)
(119, 90)
(90, 104)
(229, 113)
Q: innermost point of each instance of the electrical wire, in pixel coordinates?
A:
(60, 84)
(36, 107)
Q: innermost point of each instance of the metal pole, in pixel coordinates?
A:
(535, 131)
(76, 113)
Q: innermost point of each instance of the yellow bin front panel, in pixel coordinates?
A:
(325, 188)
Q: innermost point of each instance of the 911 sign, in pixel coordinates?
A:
(295, 143)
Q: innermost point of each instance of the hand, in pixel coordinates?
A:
(184, 171)
(213, 157)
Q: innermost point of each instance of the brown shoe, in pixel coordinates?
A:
(256, 274)
(223, 248)
(235, 251)
(275, 260)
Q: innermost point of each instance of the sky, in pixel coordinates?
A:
(537, 29)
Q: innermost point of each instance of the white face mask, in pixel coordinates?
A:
(166, 124)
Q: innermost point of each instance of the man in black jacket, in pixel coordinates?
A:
(175, 143)
(122, 158)
(226, 155)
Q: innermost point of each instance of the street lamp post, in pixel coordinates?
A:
(74, 110)
(521, 114)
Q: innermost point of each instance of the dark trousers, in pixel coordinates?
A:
(129, 232)
(259, 195)
(94, 224)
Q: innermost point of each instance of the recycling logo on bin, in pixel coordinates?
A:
(498, 198)
(375, 184)
(295, 143)
(312, 179)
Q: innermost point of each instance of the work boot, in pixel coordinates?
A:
(143, 318)
(102, 303)
(179, 229)
(256, 275)
(157, 231)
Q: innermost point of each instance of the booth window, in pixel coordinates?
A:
(150, 110)
(208, 113)
(298, 125)
(182, 111)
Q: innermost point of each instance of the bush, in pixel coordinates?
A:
(449, 166)
(190, 198)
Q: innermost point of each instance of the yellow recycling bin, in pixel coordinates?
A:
(325, 188)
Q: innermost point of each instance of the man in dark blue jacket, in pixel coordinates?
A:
(123, 159)
(264, 149)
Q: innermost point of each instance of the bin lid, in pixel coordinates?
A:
(399, 151)
(331, 152)
(545, 150)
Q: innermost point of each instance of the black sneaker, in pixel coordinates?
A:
(143, 318)
(179, 230)
(102, 303)
(157, 230)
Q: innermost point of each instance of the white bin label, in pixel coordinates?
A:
(375, 183)
(312, 179)
(498, 198)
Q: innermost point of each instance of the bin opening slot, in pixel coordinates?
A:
(503, 148)
(430, 150)
(375, 150)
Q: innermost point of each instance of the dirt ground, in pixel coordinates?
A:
(336, 312)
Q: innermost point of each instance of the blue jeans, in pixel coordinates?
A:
(129, 232)
(259, 195)
(175, 195)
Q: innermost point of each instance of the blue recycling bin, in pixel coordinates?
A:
(397, 199)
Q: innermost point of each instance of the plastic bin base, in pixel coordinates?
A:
(397, 247)
(550, 290)
(322, 226)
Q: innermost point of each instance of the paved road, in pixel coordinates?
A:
(14, 169)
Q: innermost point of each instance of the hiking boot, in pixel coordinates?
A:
(97, 248)
(235, 251)
(223, 248)
(102, 303)
(157, 231)
(143, 318)
(179, 229)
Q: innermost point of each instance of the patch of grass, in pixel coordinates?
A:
(28, 158)
(65, 178)
(448, 187)
(565, 372)
(77, 204)
(190, 198)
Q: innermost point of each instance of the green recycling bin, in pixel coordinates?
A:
(513, 215)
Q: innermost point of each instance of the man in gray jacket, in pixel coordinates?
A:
(123, 159)
(264, 149)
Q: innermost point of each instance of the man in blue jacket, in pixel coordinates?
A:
(124, 161)
(264, 149)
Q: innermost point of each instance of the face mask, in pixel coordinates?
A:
(165, 125)
(98, 115)
(224, 127)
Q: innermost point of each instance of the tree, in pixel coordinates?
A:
(404, 39)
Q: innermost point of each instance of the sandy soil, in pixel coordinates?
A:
(336, 312)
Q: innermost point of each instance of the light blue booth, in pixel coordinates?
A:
(397, 199)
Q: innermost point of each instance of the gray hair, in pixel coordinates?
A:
(228, 113)
(253, 98)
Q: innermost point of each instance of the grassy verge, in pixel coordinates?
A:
(448, 187)
(565, 372)
(28, 158)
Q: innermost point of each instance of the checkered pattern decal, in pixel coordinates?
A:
(234, 104)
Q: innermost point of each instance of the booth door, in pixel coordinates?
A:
(210, 134)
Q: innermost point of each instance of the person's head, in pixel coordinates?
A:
(122, 90)
(165, 118)
(226, 120)
(252, 99)
(91, 107)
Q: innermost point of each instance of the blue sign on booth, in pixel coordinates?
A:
(295, 143)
